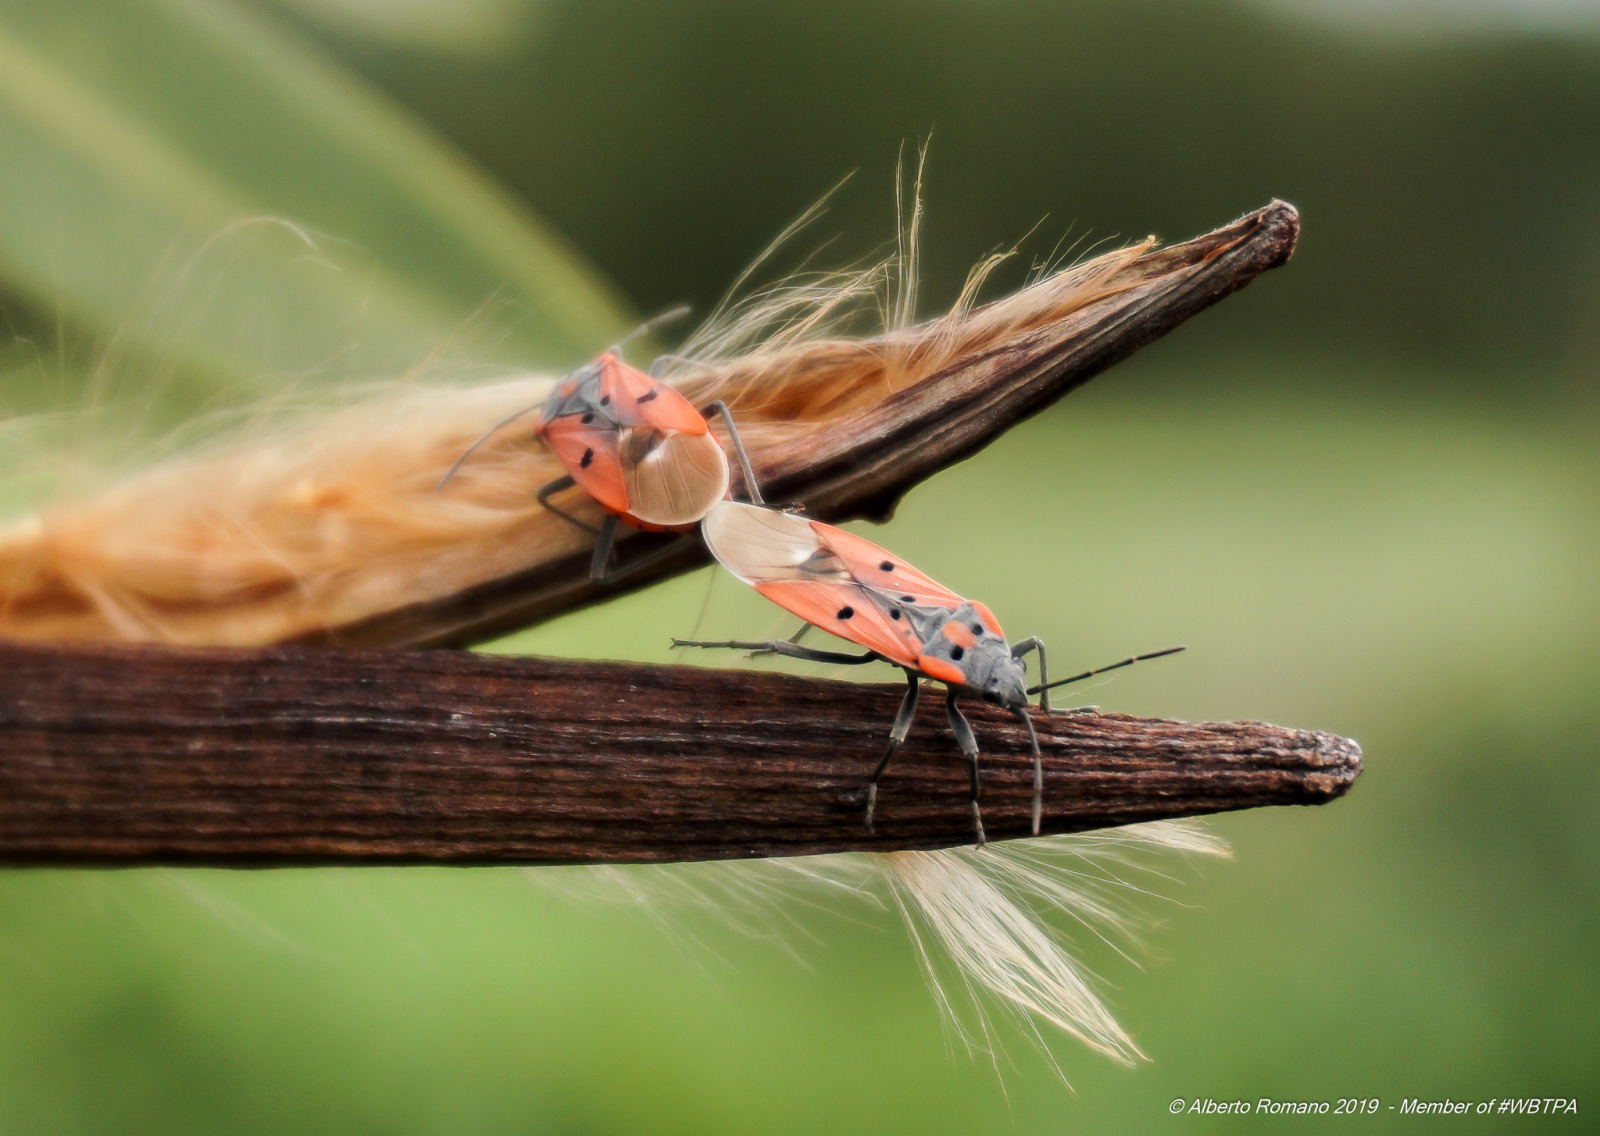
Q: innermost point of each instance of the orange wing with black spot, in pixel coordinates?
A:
(850, 612)
(589, 453)
(831, 578)
(635, 445)
(875, 567)
(633, 398)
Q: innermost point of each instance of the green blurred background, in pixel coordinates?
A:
(1364, 492)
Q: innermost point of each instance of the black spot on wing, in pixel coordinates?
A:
(957, 652)
(588, 456)
(644, 398)
(894, 613)
(886, 566)
(845, 613)
(978, 629)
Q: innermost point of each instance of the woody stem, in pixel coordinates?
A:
(118, 755)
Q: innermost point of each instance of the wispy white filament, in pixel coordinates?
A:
(985, 919)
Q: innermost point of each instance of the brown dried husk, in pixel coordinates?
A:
(276, 534)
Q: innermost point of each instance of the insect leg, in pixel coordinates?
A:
(1038, 768)
(751, 489)
(643, 562)
(897, 737)
(969, 746)
(605, 538)
(811, 654)
(1034, 643)
(558, 485)
(783, 647)
(795, 638)
(603, 547)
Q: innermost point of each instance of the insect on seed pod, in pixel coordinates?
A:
(635, 445)
(852, 588)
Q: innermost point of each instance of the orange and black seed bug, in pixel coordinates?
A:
(635, 445)
(856, 590)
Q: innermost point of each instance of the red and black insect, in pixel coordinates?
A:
(636, 446)
(856, 590)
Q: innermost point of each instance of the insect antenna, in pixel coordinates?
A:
(1102, 670)
(649, 325)
(482, 438)
(671, 315)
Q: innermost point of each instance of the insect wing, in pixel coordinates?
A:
(671, 478)
(848, 611)
(589, 453)
(785, 559)
(759, 545)
(633, 398)
(877, 568)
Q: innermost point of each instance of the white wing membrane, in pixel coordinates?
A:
(761, 546)
(672, 478)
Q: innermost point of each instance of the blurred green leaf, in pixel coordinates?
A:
(473, 28)
(188, 184)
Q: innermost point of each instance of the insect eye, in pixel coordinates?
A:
(887, 566)
(845, 613)
(957, 652)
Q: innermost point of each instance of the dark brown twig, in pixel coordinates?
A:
(154, 755)
(860, 467)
